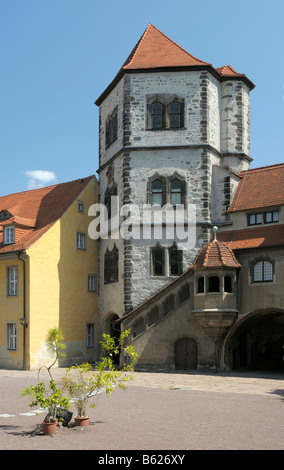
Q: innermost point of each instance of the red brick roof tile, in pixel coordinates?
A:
(258, 237)
(155, 50)
(215, 255)
(258, 188)
(35, 211)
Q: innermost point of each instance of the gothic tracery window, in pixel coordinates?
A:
(111, 266)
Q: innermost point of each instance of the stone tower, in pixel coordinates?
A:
(173, 129)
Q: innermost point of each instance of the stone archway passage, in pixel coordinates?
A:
(258, 343)
(186, 354)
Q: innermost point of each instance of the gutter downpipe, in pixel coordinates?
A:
(23, 322)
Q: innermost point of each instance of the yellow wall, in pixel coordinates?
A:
(56, 287)
(11, 309)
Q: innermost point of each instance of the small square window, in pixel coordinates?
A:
(81, 241)
(80, 206)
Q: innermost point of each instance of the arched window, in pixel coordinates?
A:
(263, 271)
(111, 128)
(175, 114)
(157, 192)
(157, 115)
(176, 192)
(158, 261)
(175, 261)
(111, 266)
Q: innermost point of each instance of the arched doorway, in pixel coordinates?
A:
(186, 354)
(257, 343)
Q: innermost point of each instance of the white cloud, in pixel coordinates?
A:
(39, 178)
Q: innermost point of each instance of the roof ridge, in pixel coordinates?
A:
(42, 188)
(262, 168)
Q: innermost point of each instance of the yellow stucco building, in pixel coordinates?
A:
(48, 274)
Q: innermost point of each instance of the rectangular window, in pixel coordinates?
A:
(271, 217)
(263, 271)
(158, 261)
(80, 206)
(12, 336)
(81, 241)
(175, 262)
(90, 335)
(91, 283)
(12, 281)
(255, 219)
(9, 235)
(200, 285)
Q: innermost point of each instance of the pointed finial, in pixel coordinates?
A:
(215, 230)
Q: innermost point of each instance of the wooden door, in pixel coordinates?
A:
(186, 354)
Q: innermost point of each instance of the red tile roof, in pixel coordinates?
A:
(228, 71)
(215, 255)
(257, 237)
(259, 188)
(34, 212)
(155, 50)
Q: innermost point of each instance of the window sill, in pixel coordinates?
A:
(166, 129)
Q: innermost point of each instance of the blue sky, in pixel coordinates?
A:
(57, 56)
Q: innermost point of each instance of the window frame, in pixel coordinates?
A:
(154, 250)
(92, 281)
(90, 336)
(111, 128)
(255, 214)
(12, 338)
(12, 291)
(80, 207)
(111, 265)
(179, 260)
(262, 263)
(166, 113)
(8, 235)
(79, 237)
(272, 221)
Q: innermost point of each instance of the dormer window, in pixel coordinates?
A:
(9, 235)
(4, 215)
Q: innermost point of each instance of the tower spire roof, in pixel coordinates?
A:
(155, 51)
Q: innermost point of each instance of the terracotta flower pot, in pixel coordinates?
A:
(49, 428)
(82, 420)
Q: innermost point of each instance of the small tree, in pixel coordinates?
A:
(84, 382)
(50, 399)
(56, 346)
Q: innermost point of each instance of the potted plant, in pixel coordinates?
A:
(85, 382)
(50, 398)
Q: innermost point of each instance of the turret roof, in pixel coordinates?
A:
(215, 255)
